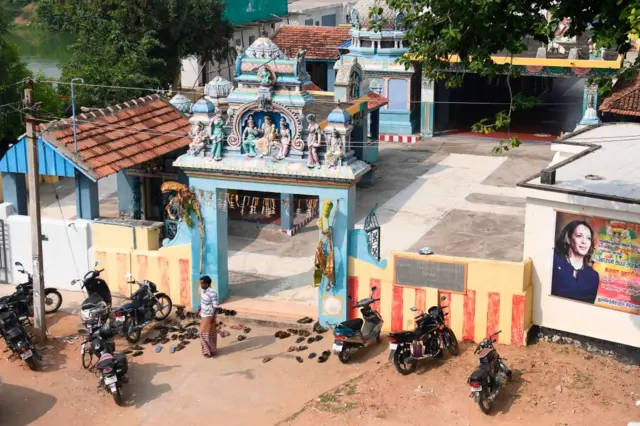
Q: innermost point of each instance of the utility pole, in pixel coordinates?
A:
(34, 215)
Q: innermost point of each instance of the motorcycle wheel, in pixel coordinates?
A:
(403, 362)
(344, 356)
(378, 339)
(484, 403)
(164, 303)
(55, 298)
(131, 332)
(451, 342)
(117, 397)
(87, 359)
(31, 363)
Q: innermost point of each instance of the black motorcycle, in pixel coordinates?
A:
(146, 306)
(93, 284)
(492, 375)
(428, 340)
(17, 338)
(112, 368)
(21, 301)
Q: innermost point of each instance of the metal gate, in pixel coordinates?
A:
(4, 263)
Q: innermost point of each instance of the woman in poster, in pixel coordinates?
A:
(573, 273)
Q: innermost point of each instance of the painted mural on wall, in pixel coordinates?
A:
(597, 261)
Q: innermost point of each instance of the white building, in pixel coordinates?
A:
(325, 13)
(589, 282)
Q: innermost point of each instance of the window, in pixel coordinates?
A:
(329, 20)
(398, 94)
(251, 40)
(387, 44)
(308, 22)
(365, 43)
(238, 42)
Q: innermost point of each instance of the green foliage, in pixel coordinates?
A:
(475, 30)
(137, 43)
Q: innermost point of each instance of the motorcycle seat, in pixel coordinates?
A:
(125, 307)
(479, 375)
(354, 324)
(92, 301)
(403, 335)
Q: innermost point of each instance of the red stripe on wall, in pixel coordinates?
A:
(143, 269)
(493, 315)
(396, 309)
(517, 320)
(352, 290)
(373, 282)
(446, 302)
(421, 299)
(185, 283)
(469, 318)
(164, 285)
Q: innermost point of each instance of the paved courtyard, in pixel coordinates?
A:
(452, 195)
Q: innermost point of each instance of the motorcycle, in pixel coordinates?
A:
(351, 335)
(95, 309)
(492, 375)
(428, 340)
(112, 368)
(17, 339)
(146, 306)
(21, 301)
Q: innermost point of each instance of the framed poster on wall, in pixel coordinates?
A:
(597, 261)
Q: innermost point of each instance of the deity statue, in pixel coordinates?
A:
(334, 155)
(355, 19)
(314, 139)
(198, 136)
(249, 138)
(269, 134)
(265, 77)
(285, 139)
(217, 136)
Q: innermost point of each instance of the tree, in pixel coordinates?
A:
(475, 30)
(12, 71)
(140, 43)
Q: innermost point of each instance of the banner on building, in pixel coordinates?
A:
(597, 261)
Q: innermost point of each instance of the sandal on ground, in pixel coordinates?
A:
(291, 349)
(318, 338)
(300, 340)
(241, 337)
(137, 353)
(299, 359)
(247, 330)
(310, 340)
(325, 356)
(312, 355)
(302, 348)
(266, 359)
(305, 320)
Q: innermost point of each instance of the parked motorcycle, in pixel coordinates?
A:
(95, 309)
(351, 335)
(492, 375)
(17, 338)
(112, 368)
(21, 301)
(428, 340)
(146, 306)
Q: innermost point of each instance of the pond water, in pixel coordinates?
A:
(43, 51)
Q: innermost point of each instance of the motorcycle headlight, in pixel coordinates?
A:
(20, 344)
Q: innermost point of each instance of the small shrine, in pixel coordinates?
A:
(269, 135)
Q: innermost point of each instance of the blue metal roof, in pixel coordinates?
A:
(51, 162)
(345, 44)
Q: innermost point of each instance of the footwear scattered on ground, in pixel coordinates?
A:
(299, 359)
(266, 359)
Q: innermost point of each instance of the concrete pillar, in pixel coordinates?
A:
(375, 124)
(427, 108)
(287, 212)
(125, 185)
(14, 187)
(331, 77)
(215, 260)
(342, 219)
(87, 199)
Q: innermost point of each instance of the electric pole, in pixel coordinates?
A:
(33, 171)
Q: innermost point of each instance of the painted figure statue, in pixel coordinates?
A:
(269, 134)
(285, 139)
(217, 136)
(198, 135)
(314, 139)
(334, 155)
(265, 77)
(249, 138)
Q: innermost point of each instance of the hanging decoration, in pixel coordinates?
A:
(324, 264)
(285, 204)
(182, 206)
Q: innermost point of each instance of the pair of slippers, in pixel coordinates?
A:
(325, 356)
(301, 333)
(224, 333)
(319, 329)
(314, 339)
(241, 338)
(305, 320)
(298, 349)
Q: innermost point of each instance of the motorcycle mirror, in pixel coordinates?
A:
(97, 263)
(414, 309)
(443, 298)
(373, 289)
(18, 264)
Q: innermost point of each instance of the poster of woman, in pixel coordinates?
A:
(597, 261)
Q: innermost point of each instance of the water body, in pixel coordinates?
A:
(43, 51)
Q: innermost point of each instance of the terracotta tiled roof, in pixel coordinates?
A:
(319, 42)
(624, 99)
(375, 101)
(313, 88)
(120, 136)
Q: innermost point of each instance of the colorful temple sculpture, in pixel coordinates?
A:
(269, 135)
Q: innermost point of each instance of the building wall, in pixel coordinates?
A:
(567, 315)
(499, 295)
(66, 248)
(316, 16)
(168, 267)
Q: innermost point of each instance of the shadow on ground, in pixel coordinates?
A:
(22, 406)
(140, 390)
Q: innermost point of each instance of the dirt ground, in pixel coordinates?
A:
(552, 385)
